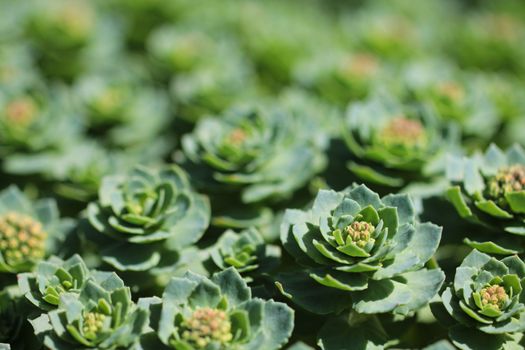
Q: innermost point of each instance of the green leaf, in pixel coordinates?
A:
(471, 339)
(489, 207)
(516, 201)
(455, 196)
(302, 290)
(370, 175)
(368, 335)
(381, 296)
(489, 247)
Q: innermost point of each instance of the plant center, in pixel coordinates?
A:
(401, 131)
(21, 112)
(507, 180)
(360, 233)
(494, 295)
(93, 324)
(207, 326)
(451, 91)
(22, 238)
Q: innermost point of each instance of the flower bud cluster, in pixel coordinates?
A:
(207, 326)
(21, 238)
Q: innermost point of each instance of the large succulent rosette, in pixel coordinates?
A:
(142, 220)
(101, 316)
(29, 230)
(489, 189)
(217, 313)
(360, 251)
(485, 304)
(262, 153)
(394, 144)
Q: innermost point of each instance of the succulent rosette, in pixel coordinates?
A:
(29, 230)
(246, 251)
(258, 152)
(360, 251)
(485, 303)
(143, 220)
(30, 120)
(216, 313)
(213, 86)
(489, 189)
(175, 49)
(454, 95)
(101, 316)
(489, 40)
(340, 77)
(394, 144)
(53, 278)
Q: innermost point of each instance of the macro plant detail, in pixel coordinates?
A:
(262, 175)
(487, 189)
(485, 302)
(355, 243)
(29, 231)
(393, 144)
(218, 313)
(153, 214)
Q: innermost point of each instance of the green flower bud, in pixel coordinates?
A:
(507, 180)
(495, 295)
(205, 326)
(93, 324)
(22, 238)
(450, 91)
(360, 232)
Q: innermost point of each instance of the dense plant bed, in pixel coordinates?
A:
(262, 175)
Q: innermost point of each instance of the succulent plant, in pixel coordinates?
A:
(491, 40)
(339, 78)
(213, 86)
(488, 189)
(29, 231)
(52, 279)
(143, 219)
(252, 151)
(101, 316)
(485, 303)
(393, 144)
(217, 313)
(454, 95)
(246, 251)
(360, 251)
(30, 121)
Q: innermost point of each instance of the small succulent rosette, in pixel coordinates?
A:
(29, 230)
(361, 252)
(341, 77)
(393, 144)
(174, 49)
(101, 316)
(259, 154)
(490, 41)
(143, 220)
(213, 86)
(247, 252)
(217, 313)
(484, 307)
(454, 95)
(489, 189)
(31, 120)
(53, 278)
